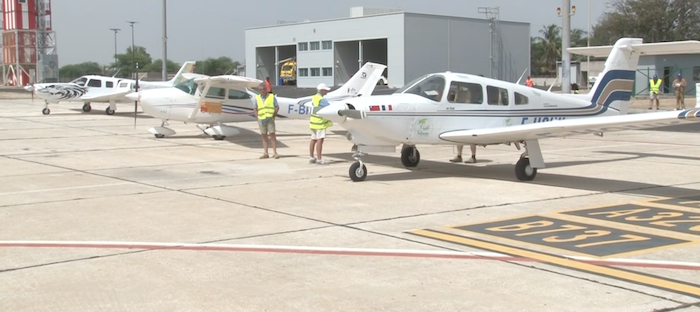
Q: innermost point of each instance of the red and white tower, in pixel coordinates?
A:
(28, 42)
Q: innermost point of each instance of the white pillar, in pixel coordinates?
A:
(565, 42)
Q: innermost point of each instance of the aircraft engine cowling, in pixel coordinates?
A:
(333, 112)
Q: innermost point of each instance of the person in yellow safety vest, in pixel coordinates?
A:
(654, 87)
(318, 125)
(266, 109)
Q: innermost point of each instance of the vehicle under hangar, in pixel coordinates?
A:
(410, 44)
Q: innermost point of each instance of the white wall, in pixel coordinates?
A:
(368, 27)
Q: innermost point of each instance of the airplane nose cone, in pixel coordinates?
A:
(133, 96)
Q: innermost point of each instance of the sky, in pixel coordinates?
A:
(214, 28)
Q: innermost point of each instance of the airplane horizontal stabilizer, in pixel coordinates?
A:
(657, 48)
(571, 127)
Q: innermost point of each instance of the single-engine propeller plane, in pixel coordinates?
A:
(229, 98)
(100, 89)
(454, 108)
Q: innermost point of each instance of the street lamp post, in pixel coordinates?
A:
(116, 62)
(566, 11)
(165, 44)
(133, 57)
(588, 57)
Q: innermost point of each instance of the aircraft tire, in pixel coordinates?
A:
(523, 171)
(87, 108)
(159, 135)
(46, 111)
(358, 172)
(407, 158)
(109, 111)
(218, 137)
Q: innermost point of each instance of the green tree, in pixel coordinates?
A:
(157, 66)
(73, 71)
(545, 50)
(125, 64)
(652, 20)
(216, 66)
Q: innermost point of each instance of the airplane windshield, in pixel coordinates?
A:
(430, 87)
(80, 81)
(187, 86)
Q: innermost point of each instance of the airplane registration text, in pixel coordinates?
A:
(540, 119)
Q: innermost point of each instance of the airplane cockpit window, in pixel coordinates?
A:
(410, 84)
(94, 83)
(464, 92)
(187, 86)
(521, 99)
(80, 81)
(497, 96)
(430, 88)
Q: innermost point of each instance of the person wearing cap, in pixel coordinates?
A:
(654, 87)
(318, 125)
(266, 109)
(679, 85)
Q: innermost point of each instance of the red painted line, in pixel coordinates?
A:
(336, 252)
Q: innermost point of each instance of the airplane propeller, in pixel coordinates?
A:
(351, 113)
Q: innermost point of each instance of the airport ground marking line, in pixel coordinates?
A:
(619, 274)
(486, 255)
(66, 188)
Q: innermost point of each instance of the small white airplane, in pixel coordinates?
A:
(232, 99)
(100, 89)
(453, 108)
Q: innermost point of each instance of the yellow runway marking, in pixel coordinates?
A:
(637, 278)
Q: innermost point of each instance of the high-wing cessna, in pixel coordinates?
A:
(232, 99)
(99, 89)
(453, 108)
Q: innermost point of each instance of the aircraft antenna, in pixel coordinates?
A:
(492, 14)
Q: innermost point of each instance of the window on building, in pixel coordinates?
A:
(237, 95)
(303, 72)
(315, 45)
(467, 93)
(327, 71)
(303, 46)
(696, 73)
(94, 83)
(327, 45)
(315, 72)
(521, 99)
(109, 84)
(497, 96)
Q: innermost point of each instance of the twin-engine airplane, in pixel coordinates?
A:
(453, 108)
(230, 98)
(100, 89)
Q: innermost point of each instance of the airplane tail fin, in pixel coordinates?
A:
(614, 85)
(187, 67)
(363, 82)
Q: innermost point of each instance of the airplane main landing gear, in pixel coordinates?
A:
(524, 171)
(46, 111)
(358, 171)
(410, 157)
(109, 111)
(87, 107)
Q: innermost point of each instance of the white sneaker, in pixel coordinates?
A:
(321, 162)
(312, 160)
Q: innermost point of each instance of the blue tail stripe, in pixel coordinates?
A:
(604, 84)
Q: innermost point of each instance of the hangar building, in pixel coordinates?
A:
(410, 44)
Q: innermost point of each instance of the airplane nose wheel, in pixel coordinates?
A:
(358, 171)
(46, 111)
(410, 157)
(523, 170)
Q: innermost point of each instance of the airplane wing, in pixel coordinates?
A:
(238, 83)
(571, 127)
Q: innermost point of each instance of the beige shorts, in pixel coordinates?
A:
(318, 134)
(653, 96)
(267, 127)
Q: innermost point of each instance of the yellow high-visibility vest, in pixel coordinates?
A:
(316, 122)
(654, 87)
(266, 109)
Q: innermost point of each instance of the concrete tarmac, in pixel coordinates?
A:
(98, 215)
